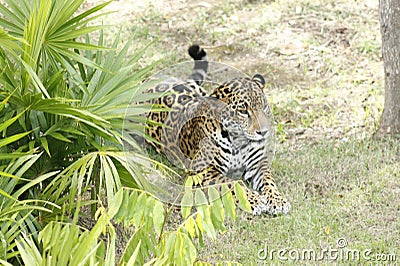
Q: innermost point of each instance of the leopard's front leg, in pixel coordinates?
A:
(270, 201)
(275, 202)
(259, 203)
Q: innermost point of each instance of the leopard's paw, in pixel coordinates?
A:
(271, 205)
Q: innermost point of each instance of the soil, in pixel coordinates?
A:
(321, 59)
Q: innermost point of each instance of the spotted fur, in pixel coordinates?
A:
(223, 135)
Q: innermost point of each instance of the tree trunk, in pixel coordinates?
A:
(390, 30)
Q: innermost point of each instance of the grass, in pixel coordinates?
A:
(323, 67)
(338, 190)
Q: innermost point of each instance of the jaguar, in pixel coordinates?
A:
(221, 136)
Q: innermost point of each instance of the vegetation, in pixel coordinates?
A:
(67, 105)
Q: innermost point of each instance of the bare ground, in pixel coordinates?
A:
(321, 59)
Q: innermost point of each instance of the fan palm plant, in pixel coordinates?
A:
(64, 101)
(69, 99)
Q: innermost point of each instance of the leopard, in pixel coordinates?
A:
(222, 136)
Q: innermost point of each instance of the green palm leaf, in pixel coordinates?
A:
(67, 105)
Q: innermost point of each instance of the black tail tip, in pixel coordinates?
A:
(259, 79)
(196, 52)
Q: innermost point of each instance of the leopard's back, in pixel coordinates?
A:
(222, 135)
(175, 92)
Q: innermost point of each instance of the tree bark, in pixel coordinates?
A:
(390, 30)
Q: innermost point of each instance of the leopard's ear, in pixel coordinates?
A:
(259, 79)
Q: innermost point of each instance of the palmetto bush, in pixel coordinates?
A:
(64, 99)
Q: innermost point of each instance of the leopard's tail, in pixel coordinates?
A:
(199, 71)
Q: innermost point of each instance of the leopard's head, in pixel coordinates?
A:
(247, 112)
